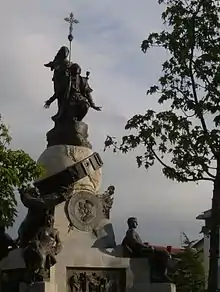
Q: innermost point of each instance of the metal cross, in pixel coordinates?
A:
(71, 20)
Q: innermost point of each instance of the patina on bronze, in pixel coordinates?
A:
(39, 207)
(39, 254)
(70, 89)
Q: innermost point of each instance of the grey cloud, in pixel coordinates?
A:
(120, 77)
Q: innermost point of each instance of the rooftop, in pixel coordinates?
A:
(174, 250)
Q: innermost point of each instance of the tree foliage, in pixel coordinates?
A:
(184, 137)
(187, 132)
(17, 170)
(189, 275)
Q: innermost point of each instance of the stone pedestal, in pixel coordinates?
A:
(163, 287)
(83, 252)
(129, 275)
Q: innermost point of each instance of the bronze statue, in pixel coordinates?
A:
(108, 199)
(6, 243)
(60, 65)
(134, 247)
(39, 255)
(70, 89)
(38, 208)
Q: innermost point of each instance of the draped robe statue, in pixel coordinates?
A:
(70, 89)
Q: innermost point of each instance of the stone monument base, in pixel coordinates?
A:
(125, 274)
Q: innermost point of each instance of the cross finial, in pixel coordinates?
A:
(71, 20)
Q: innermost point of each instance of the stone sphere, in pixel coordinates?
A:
(57, 158)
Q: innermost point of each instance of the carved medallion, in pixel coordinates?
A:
(84, 210)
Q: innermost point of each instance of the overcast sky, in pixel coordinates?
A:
(107, 42)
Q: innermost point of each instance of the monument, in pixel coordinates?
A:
(66, 242)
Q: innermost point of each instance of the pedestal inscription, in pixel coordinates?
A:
(96, 280)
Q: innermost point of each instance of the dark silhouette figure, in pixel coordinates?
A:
(71, 90)
(6, 243)
(134, 247)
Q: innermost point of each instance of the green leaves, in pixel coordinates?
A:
(184, 139)
(17, 170)
(189, 276)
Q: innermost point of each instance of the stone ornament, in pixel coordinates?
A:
(107, 201)
(84, 210)
(96, 280)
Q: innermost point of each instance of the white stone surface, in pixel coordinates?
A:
(57, 158)
(75, 254)
(80, 238)
(137, 270)
(79, 252)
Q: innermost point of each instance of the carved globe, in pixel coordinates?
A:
(57, 158)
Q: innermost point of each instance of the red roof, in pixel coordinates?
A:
(174, 250)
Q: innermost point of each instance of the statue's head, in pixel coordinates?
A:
(75, 69)
(132, 222)
(88, 204)
(111, 190)
(63, 53)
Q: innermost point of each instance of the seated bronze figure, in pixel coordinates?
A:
(134, 247)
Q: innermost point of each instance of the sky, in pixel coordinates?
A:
(106, 42)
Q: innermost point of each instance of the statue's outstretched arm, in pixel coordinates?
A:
(91, 101)
(50, 100)
(29, 200)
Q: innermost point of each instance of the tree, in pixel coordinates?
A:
(185, 137)
(17, 170)
(189, 273)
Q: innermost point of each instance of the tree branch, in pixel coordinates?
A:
(187, 179)
(199, 179)
(160, 160)
(200, 115)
